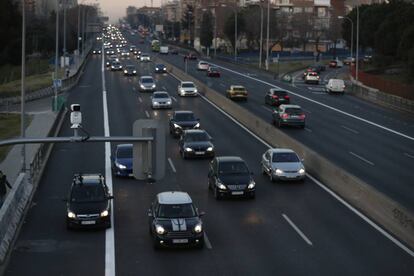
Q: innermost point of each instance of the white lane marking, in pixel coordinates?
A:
(147, 114)
(174, 98)
(222, 85)
(109, 233)
(133, 88)
(207, 241)
(165, 89)
(307, 111)
(362, 216)
(409, 155)
(303, 236)
(362, 158)
(267, 108)
(172, 165)
(325, 188)
(140, 99)
(324, 105)
(308, 129)
(350, 129)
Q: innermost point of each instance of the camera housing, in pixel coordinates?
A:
(75, 115)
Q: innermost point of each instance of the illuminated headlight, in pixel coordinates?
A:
(278, 171)
(169, 102)
(221, 186)
(197, 125)
(159, 229)
(195, 90)
(176, 126)
(71, 214)
(125, 71)
(188, 149)
(301, 171)
(120, 166)
(210, 149)
(112, 67)
(107, 63)
(182, 91)
(105, 213)
(142, 86)
(251, 185)
(120, 66)
(156, 69)
(164, 69)
(153, 86)
(198, 228)
(134, 72)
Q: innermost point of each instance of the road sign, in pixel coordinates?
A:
(57, 83)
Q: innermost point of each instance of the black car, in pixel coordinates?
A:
(195, 143)
(96, 51)
(130, 70)
(230, 176)
(160, 68)
(116, 66)
(289, 115)
(122, 160)
(277, 97)
(175, 221)
(182, 120)
(89, 202)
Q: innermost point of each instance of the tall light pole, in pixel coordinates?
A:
(267, 35)
(78, 47)
(56, 53)
(261, 35)
(352, 34)
(357, 46)
(64, 34)
(23, 78)
(215, 29)
(235, 34)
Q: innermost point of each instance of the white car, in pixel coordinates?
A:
(187, 88)
(146, 83)
(202, 65)
(161, 99)
(282, 164)
(335, 86)
(145, 57)
(312, 77)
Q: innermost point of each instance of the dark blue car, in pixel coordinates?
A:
(122, 160)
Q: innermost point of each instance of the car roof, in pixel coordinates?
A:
(183, 112)
(86, 178)
(237, 86)
(174, 197)
(183, 82)
(223, 159)
(277, 90)
(146, 77)
(120, 146)
(289, 106)
(280, 150)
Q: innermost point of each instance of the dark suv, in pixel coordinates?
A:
(277, 97)
(230, 176)
(181, 120)
(288, 114)
(195, 143)
(175, 221)
(89, 202)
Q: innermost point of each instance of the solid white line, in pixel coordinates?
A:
(409, 155)
(174, 98)
(329, 191)
(165, 89)
(297, 230)
(147, 114)
(308, 129)
(362, 158)
(172, 165)
(267, 108)
(362, 216)
(140, 99)
(324, 105)
(109, 233)
(222, 84)
(350, 129)
(207, 241)
(133, 88)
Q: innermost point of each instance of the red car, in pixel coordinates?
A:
(333, 64)
(213, 72)
(191, 56)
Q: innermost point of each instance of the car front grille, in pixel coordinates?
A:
(236, 187)
(179, 234)
(88, 216)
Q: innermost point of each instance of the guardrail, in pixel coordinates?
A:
(395, 218)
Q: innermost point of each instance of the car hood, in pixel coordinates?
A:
(178, 224)
(186, 123)
(235, 179)
(198, 145)
(88, 207)
(287, 166)
(125, 161)
(189, 89)
(161, 100)
(147, 84)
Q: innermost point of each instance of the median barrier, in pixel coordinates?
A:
(395, 218)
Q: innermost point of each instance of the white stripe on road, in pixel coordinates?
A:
(308, 129)
(297, 230)
(207, 241)
(222, 85)
(109, 233)
(409, 155)
(325, 188)
(350, 129)
(267, 108)
(324, 105)
(362, 158)
(147, 114)
(140, 99)
(172, 165)
(174, 98)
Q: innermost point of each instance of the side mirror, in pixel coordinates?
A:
(201, 214)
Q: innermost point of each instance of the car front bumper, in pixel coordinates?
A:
(237, 193)
(88, 222)
(161, 105)
(288, 176)
(179, 241)
(199, 154)
(188, 93)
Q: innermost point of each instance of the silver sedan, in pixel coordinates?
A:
(161, 99)
(282, 164)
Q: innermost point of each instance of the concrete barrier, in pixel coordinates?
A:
(391, 215)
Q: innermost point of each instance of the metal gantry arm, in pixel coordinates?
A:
(75, 139)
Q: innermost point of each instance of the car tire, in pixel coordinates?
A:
(183, 155)
(271, 178)
(279, 124)
(263, 170)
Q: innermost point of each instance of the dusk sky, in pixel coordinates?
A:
(116, 8)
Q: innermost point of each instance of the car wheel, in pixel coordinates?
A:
(271, 178)
(183, 155)
(279, 124)
(263, 170)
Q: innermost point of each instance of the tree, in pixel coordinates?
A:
(229, 27)
(10, 32)
(206, 31)
(187, 23)
(304, 26)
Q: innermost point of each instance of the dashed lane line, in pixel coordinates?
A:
(362, 158)
(301, 234)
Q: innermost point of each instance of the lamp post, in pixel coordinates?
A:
(64, 34)
(235, 27)
(357, 46)
(352, 33)
(56, 53)
(23, 76)
(267, 35)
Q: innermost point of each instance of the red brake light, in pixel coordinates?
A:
(287, 97)
(285, 116)
(302, 116)
(275, 97)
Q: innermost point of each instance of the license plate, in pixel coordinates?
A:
(88, 222)
(237, 193)
(131, 175)
(199, 152)
(180, 240)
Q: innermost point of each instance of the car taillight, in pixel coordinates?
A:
(302, 116)
(287, 97)
(275, 97)
(285, 116)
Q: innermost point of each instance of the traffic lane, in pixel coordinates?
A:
(319, 206)
(44, 245)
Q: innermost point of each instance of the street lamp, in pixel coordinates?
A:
(261, 30)
(267, 35)
(56, 54)
(357, 46)
(352, 33)
(23, 76)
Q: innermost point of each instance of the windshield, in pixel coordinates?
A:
(187, 85)
(160, 66)
(184, 117)
(160, 95)
(233, 168)
(279, 93)
(87, 193)
(285, 157)
(124, 152)
(147, 80)
(176, 211)
(196, 137)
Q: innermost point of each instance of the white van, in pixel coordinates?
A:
(164, 50)
(335, 86)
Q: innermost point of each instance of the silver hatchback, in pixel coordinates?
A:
(282, 164)
(146, 83)
(161, 99)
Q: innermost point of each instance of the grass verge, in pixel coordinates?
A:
(33, 83)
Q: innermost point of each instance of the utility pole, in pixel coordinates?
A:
(64, 34)
(23, 76)
(215, 28)
(357, 47)
(56, 53)
(78, 47)
(261, 35)
(267, 35)
(235, 32)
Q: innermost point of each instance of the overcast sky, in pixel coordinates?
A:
(117, 8)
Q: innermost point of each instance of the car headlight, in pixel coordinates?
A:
(195, 90)
(125, 71)
(210, 149)
(278, 171)
(105, 213)
(182, 90)
(176, 126)
(251, 185)
(134, 72)
(159, 229)
(168, 102)
(188, 149)
(198, 228)
(301, 171)
(197, 125)
(153, 86)
(142, 86)
(156, 69)
(221, 186)
(120, 166)
(112, 67)
(71, 214)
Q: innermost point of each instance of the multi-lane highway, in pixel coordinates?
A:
(289, 229)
